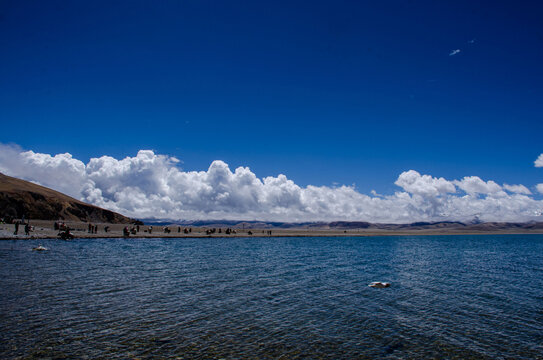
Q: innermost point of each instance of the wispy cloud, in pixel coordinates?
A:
(472, 41)
(150, 185)
(454, 52)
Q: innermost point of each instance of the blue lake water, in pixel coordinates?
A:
(278, 298)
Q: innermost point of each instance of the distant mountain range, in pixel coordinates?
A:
(20, 198)
(354, 225)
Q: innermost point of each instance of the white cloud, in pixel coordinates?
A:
(61, 172)
(539, 161)
(425, 185)
(375, 193)
(150, 185)
(539, 188)
(473, 185)
(518, 189)
(454, 52)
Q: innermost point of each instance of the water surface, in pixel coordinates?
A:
(279, 298)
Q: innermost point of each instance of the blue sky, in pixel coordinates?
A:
(326, 93)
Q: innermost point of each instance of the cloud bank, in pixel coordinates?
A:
(151, 185)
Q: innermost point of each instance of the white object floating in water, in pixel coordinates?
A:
(379, 284)
(40, 248)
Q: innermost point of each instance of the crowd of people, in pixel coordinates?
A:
(17, 224)
(65, 232)
(227, 231)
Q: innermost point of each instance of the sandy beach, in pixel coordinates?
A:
(44, 229)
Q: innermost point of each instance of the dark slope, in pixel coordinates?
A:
(20, 197)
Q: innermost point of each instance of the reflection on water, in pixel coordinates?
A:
(451, 297)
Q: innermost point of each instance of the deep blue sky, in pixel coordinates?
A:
(324, 92)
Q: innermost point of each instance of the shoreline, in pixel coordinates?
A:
(257, 236)
(44, 230)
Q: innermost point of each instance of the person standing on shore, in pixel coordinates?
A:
(16, 227)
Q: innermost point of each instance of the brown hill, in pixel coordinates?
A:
(19, 197)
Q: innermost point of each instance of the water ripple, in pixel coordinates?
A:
(453, 297)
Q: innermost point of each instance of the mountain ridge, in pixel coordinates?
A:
(352, 225)
(20, 198)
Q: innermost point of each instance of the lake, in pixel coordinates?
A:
(278, 298)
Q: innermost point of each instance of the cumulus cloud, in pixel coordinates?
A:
(474, 185)
(150, 185)
(424, 185)
(539, 161)
(539, 188)
(44, 169)
(454, 52)
(518, 189)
